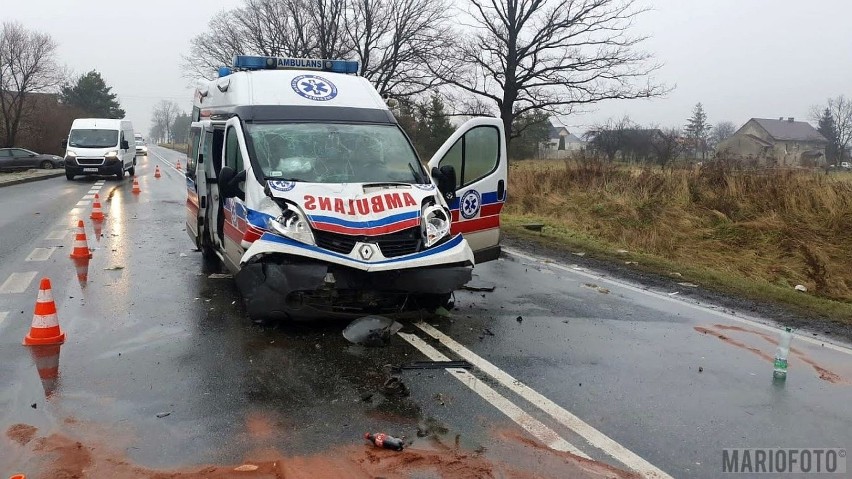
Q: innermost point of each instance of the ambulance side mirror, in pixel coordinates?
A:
(446, 179)
(226, 176)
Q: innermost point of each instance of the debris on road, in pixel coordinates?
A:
(384, 441)
(676, 274)
(394, 387)
(688, 285)
(437, 365)
(519, 319)
(599, 289)
(163, 414)
(182, 255)
(220, 276)
(801, 287)
(371, 331)
(476, 285)
(622, 251)
(442, 312)
(366, 397)
(487, 332)
(674, 293)
(635, 263)
(246, 468)
(579, 254)
(700, 369)
(114, 268)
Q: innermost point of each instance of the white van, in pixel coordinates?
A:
(99, 146)
(301, 181)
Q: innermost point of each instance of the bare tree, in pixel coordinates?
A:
(215, 47)
(667, 145)
(840, 110)
(27, 65)
(722, 131)
(163, 119)
(395, 40)
(609, 138)
(550, 55)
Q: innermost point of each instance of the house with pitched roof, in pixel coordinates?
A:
(782, 143)
(560, 143)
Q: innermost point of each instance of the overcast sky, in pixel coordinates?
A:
(741, 58)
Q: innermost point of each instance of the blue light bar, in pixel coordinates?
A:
(247, 62)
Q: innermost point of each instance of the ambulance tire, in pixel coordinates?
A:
(132, 171)
(431, 302)
(208, 253)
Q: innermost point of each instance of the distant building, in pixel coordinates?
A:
(560, 143)
(781, 142)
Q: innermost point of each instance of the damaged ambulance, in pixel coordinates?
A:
(301, 181)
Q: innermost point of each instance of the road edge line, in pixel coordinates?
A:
(31, 179)
(590, 274)
(596, 438)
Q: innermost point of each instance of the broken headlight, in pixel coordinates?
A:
(436, 225)
(294, 225)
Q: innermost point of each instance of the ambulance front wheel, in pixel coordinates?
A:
(132, 171)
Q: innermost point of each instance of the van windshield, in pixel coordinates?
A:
(93, 138)
(335, 153)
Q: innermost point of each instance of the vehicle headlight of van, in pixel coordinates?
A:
(292, 224)
(71, 157)
(111, 154)
(436, 225)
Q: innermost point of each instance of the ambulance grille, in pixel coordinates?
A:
(392, 245)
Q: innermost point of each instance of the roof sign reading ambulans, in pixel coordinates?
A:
(248, 62)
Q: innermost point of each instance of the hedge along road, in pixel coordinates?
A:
(572, 376)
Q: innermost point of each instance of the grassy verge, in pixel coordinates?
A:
(753, 234)
(181, 147)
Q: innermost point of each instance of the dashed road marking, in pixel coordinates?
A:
(83, 203)
(18, 282)
(572, 422)
(532, 425)
(90, 196)
(41, 254)
(58, 234)
(730, 317)
(100, 182)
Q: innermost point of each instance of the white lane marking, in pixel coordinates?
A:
(572, 422)
(74, 211)
(532, 425)
(100, 182)
(90, 196)
(18, 282)
(57, 234)
(3, 315)
(83, 203)
(171, 165)
(41, 254)
(664, 297)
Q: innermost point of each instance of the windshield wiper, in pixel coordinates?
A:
(417, 176)
(278, 178)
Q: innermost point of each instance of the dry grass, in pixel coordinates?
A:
(181, 147)
(778, 227)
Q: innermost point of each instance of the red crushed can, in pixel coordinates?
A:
(384, 441)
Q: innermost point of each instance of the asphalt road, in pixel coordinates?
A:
(575, 375)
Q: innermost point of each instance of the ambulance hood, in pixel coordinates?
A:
(366, 209)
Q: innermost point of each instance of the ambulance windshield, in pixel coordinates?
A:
(335, 153)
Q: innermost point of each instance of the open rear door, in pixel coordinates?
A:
(195, 187)
(477, 153)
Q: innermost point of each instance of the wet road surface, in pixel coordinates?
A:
(574, 375)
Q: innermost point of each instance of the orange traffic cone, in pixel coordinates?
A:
(157, 172)
(97, 214)
(46, 359)
(136, 190)
(178, 165)
(82, 267)
(45, 327)
(81, 246)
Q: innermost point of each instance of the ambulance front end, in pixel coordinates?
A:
(341, 219)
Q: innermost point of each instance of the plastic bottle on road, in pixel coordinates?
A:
(781, 354)
(383, 440)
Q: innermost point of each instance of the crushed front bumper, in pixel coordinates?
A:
(284, 279)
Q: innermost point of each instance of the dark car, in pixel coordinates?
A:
(21, 159)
